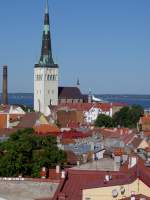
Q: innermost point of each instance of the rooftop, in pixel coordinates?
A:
(78, 180)
(26, 190)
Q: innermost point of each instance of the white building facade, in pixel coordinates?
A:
(92, 114)
(45, 73)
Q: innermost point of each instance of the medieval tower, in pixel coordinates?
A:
(45, 72)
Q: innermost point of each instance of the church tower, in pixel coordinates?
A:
(45, 72)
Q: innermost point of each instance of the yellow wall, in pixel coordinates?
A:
(143, 145)
(43, 120)
(105, 193)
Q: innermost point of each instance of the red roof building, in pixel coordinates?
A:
(3, 121)
(76, 181)
(46, 129)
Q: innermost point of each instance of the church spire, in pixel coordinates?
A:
(46, 58)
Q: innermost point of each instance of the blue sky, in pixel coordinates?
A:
(106, 43)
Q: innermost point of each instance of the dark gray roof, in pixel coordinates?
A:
(69, 93)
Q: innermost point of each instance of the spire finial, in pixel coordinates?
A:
(78, 82)
(46, 10)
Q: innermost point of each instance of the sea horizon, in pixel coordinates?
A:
(26, 99)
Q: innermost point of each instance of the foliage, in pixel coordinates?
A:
(128, 116)
(26, 153)
(104, 121)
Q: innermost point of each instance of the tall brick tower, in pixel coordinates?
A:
(5, 92)
(45, 72)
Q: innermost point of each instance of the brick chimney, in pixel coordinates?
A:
(5, 92)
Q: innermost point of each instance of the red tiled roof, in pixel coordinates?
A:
(77, 180)
(77, 106)
(145, 119)
(136, 142)
(74, 135)
(67, 141)
(124, 134)
(105, 107)
(147, 149)
(44, 129)
(146, 133)
(3, 121)
(74, 183)
(85, 106)
(29, 120)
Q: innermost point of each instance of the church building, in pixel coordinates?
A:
(46, 76)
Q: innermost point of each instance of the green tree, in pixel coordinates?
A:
(104, 121)
(128, 116)
(26, 153)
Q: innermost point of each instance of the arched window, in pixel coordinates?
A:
(48, 77)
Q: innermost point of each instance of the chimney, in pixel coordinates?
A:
(5, 93)
(63, 174)
(57, 169)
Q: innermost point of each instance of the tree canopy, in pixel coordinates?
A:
(104, 121)
(128, 116)
(26, 153)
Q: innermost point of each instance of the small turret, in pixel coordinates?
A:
(78, 83)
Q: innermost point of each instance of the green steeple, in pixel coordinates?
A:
(46, 58)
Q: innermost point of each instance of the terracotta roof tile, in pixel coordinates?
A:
(45, 129)
(145, 119)
(136, 142)
(74, 135)
(76, 180)
(3, 121)
(29, 120)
